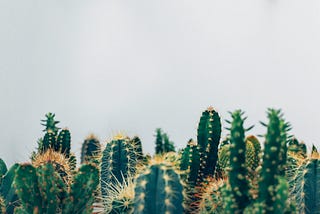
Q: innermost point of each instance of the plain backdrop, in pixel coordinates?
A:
(134, 66)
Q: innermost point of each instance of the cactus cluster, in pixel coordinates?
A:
(234, 176)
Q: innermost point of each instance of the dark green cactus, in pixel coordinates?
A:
(158, 190)
(138, 146)
(305, 187)
(50, 123)
(273, 163)
(8, 191)
(63, 142)
(209, 133)
(163, 144)
(49, 141)
(118, 161)
(3, 169)
(159, 141)
(297, 148)
(90, 150)
(238, 170)
(42, 190)
(81, 195)
(190, 162)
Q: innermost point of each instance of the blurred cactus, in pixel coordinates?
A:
(119, 160)
(90, 150)
(158, 190)
(163, 144)
(238, 170)
(273, 164)
(296, 148)
(138, 147)
(8, 191)
(42, 190)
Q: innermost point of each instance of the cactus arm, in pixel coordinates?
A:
(63, 143)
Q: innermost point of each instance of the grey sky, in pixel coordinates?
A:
(104, 66)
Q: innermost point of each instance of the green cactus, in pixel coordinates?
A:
(49, 140)
(118, 161)
(8, 191)
(211, 198)
(190, 162)
(138, 146)
(42, 190)
(305, 186)
(209, 133)
(257, 150)
(63, 142)
(163, 144)
(297, 148)
(158, 190)
(273, 163)
(2, 205)
(238, 170)
(50, 123)
(90, 150)
(3, 169)
(81, 195)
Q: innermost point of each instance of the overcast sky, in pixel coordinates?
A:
(105, 66)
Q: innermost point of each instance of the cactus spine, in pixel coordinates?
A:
(158, 190)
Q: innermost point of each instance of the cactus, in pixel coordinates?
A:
(8, 191)
(257, 149)
(82, 189)
(42, 190)
(209, 132)
(91, 150)
(3, 169)
(138, 146)
(158, 190)
(2, 205)
(238, 171)
(59, 161)
(296, 148)
(190, 162)
(63, 142)
(305, 186)
(50, 123)
(118, 161)
(163, 144)
(273, 163)
(211, 198)
(120, 197)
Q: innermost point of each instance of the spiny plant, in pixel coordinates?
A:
(305, 184)
(119, 160)
(209, 133)
(50, 123)
(7, 189)
(41, 190)
(120, 197)
(90, 150)
(238, 170)
(158, 190)
(163, 144)
(211, 200)
(138, 147)
(274, 163)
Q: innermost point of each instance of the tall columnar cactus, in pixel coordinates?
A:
(163, 144)
(190, 163)
(119, 160)
(257, 150)
(273, 163)
(8, 191)
(42, 190)
(91, 149)
(238, 170)
(305, 186)
(209, 133)
(3, 169)
(158, 190)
